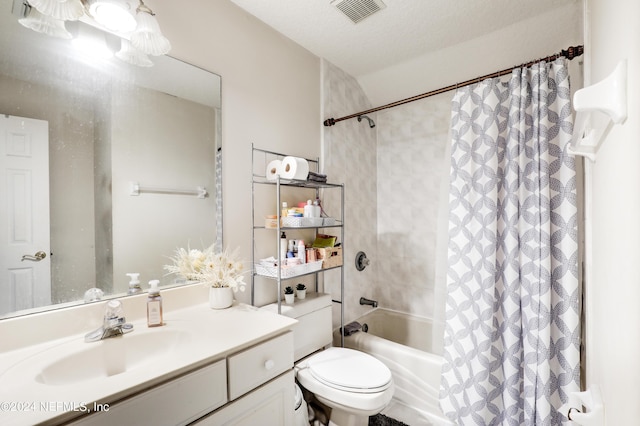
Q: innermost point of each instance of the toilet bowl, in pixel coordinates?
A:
(353, 384)
(300, 415)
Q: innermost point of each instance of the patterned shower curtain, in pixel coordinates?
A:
(512, 331)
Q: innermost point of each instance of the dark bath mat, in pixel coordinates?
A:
(382, 420)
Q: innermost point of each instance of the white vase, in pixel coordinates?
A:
(288, 298)
(220, 297)
(301, 293)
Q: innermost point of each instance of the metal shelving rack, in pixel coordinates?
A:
(278, 183)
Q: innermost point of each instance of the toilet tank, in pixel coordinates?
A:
(313, 330)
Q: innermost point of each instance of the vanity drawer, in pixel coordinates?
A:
(251, 368)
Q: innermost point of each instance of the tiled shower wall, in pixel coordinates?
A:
(393, 177)
(412, 168)
(349, 157)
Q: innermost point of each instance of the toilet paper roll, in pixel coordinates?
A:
(273, 168)
(294, 168)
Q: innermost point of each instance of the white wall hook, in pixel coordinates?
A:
(609, 97)
(585, 408)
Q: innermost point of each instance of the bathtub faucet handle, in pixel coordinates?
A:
(365, 301)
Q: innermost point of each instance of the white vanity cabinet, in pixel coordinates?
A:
(248, 387)
(176, 402)
(254, 399)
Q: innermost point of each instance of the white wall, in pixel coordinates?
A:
(517, 43)
(270, 94)
(612, 283)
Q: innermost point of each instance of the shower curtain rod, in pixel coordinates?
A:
(569, 53)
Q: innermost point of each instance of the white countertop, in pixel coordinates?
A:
(211, 335)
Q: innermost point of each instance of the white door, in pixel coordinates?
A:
(25, 280)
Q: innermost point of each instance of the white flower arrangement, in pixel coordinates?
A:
(210, 268)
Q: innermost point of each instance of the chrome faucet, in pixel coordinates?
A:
(365, 301)
(114, 324)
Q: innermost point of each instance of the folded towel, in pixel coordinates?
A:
(351, 328)
(317, 177)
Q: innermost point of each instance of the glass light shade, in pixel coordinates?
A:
(131, 55)
(147, 37)
(38, 22)
(113, 14)
(66, 10)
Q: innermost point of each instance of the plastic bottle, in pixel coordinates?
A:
(316, 208)
(285, 209)
(134, 283)
(283, 248)
(308, 209)
(302, 253)
(154, 305)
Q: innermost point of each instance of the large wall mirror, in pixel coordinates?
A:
(106, 167)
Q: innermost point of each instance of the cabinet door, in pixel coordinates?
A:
(174, 403)
(271, 404)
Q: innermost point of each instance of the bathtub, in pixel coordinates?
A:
(403, 342)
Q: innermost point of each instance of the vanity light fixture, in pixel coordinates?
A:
(65, 10)
(147, 36)
(137, 25)
(92, 43)
(115, 15)
(130, 54)
(44, 24)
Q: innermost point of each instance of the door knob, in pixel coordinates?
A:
(34, 258)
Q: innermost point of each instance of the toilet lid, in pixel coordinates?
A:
(350, 370)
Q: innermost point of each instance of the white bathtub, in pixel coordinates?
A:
(403, 342)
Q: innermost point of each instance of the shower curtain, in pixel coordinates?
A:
(512, 328)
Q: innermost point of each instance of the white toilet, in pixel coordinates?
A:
(353, 384)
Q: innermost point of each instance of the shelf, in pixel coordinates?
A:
(293, 228)
(261, 160)
(296, 183)
(269, 277)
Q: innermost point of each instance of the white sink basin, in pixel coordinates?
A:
(82, 361)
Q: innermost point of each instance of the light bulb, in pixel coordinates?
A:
(115, 15)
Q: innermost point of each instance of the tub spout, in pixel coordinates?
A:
(365, 301)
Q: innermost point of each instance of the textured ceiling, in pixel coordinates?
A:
(405, 29)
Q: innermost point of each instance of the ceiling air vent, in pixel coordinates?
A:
(357, 10)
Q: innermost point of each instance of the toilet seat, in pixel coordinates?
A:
(349, 370)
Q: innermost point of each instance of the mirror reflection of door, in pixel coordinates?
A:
(24, 222)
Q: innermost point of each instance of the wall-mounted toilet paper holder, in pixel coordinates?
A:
(585, 408)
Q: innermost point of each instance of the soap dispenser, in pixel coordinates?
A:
(154, 305)
(134, 283)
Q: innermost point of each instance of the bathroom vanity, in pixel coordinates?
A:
(204, 366)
